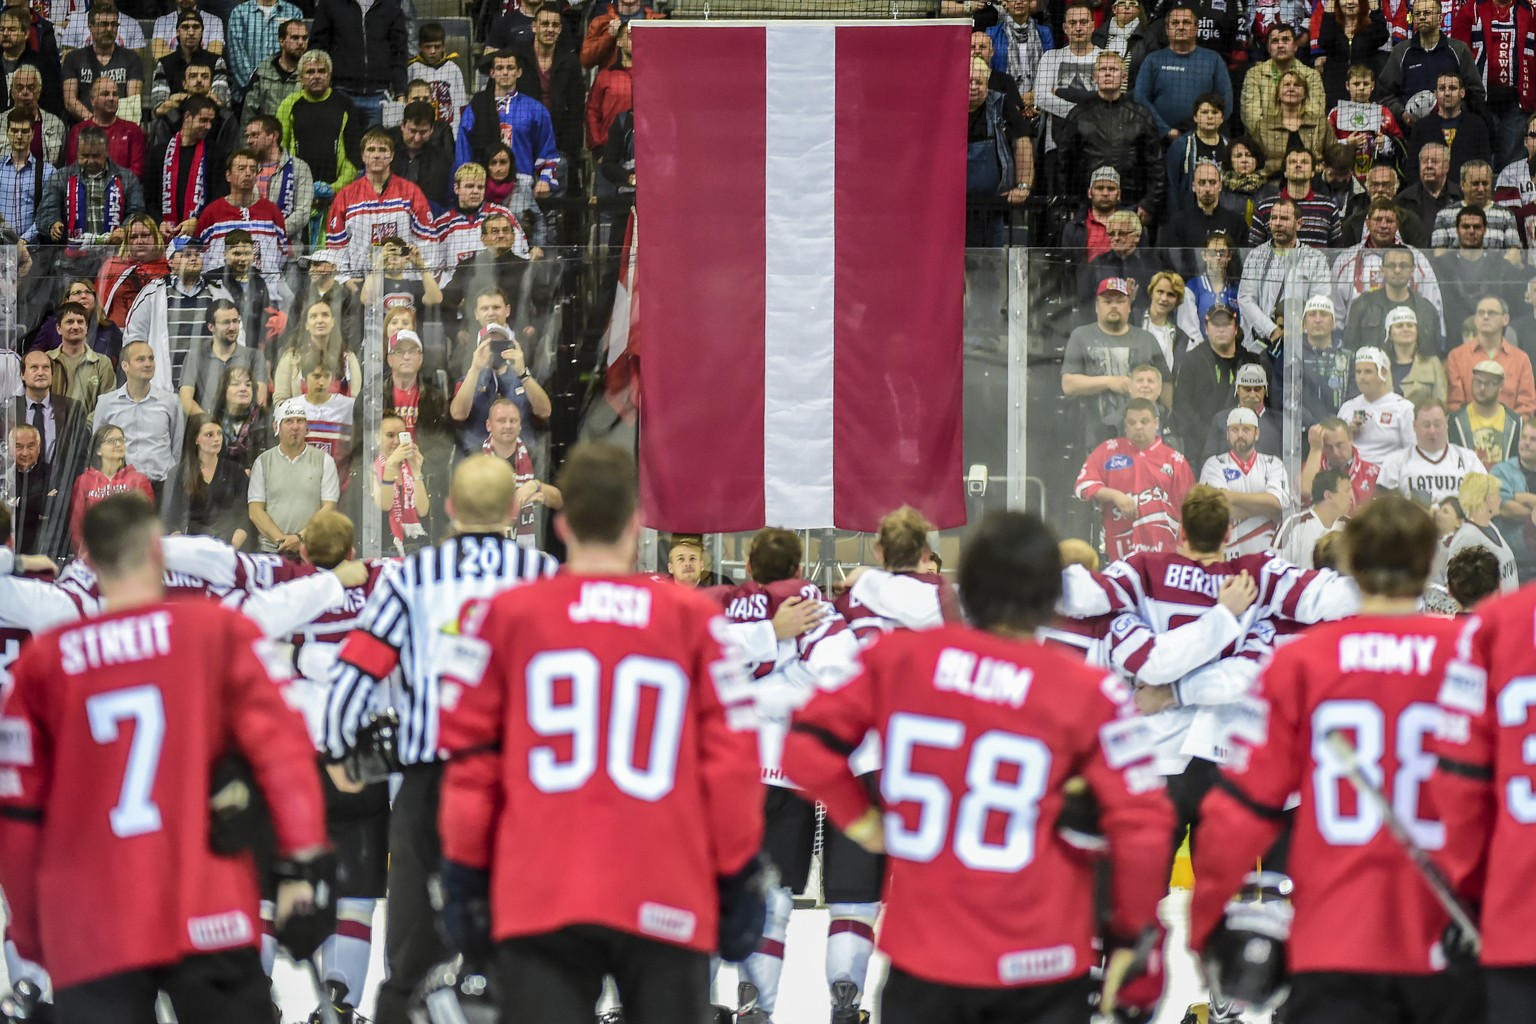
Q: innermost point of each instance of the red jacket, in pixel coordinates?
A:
(93, 485)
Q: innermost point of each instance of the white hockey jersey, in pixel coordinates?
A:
(1386, 428)
(1425, 478)
(1251, 535)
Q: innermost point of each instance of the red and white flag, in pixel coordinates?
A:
(803, 186)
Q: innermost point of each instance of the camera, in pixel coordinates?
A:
(976, 481)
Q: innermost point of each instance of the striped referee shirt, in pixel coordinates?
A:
(408, 624)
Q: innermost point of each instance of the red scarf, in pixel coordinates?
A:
(404, 521)
(190, 203)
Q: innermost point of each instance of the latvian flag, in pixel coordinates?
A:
(803, 190)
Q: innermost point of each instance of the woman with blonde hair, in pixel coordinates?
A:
(1288, 125)
(1165, 296)
(1480, 500)
(139, 260)
(319, 332)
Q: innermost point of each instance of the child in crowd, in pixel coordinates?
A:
(1365, 125)
(434, 66)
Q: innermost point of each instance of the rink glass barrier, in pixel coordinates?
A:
(1024, 441)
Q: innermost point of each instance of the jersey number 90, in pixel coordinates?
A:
(644, 767)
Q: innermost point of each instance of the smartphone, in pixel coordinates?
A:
(405, 437)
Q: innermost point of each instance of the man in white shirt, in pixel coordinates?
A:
(1333, 498)
(1433, 467)
(1380, 419)
(1254, 484)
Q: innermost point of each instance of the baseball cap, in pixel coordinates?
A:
(1114, 284)
(1319, 303)
(1221, 309)
(1489, 367)
(322, 256)
(293, 408)
(1242, 417)
(490, 329)
(1252, 375)
(187, 17)
(182, 243)
(404, 337)
(1105, 173)
(1401, 315)
(1372, 354)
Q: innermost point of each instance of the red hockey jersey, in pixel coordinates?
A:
(106, 749)
(1360, 905)
(1487, 748)
(1157, 477)
(979, 734)
(607, 710)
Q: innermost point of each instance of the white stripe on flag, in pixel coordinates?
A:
(798, 262)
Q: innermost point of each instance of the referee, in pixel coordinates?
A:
(409, 623)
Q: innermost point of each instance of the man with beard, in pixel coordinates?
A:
(1276, 270)
(1100, 356)
(1253, 482)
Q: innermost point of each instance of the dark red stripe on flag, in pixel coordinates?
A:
(900, 216)
(700, 103)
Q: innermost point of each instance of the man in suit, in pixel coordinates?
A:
(62, 426)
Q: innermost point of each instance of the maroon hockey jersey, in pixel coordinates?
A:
(979, 733)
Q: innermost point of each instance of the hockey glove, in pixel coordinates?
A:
(1133, 976)
(744, 907)
(464, 911)
(1461, 948)
(306, 903)
(238, 818)
(25, 1005)
(1078, 823)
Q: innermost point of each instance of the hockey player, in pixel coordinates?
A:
(403, 635)
(1139, 481)
(358, 823)
(112, 727)
(986, 905)
(785, 679)
(1253, 482)
(1483, 791)
(1364, 943)
(604, 698)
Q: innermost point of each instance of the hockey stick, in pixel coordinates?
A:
(1432, 876)
(328, 1012)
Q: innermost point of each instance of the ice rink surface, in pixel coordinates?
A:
(803, 996)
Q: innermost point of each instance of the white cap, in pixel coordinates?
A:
(1401, 315)
(322, 256)
(1242, 416)
(293, 408)
(1319, 303)
(1372, 354)
(1251, 375)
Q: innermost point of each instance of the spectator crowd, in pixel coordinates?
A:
(214, 205)
(1365, 168)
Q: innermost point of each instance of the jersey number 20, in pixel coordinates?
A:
(566, 766)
